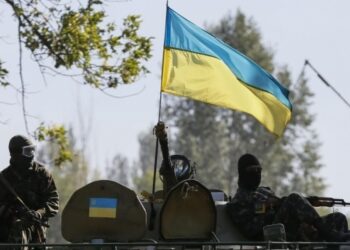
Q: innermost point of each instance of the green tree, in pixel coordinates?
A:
(144, 182)
(207, 146)
(74, 39)
(143, 174)
(77, 37)
(216, 137)
(119, 170)
(146, 151)
(3, 75)
(68, 178)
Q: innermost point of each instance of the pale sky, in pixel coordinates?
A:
(317, 30)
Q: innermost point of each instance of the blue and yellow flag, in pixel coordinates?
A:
(103, 207)
(200, 66)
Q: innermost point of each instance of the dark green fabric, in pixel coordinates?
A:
(251, 210)
(37, 189)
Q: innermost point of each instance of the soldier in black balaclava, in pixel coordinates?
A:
(249, 172)
(254, 207)
(28, 195)
(22, 153)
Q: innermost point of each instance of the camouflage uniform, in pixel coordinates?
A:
(298, 216)
(36, 187)
(251, 210)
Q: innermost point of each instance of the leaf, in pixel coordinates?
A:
(56, 134)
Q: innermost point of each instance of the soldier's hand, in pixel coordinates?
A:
(159, 130)
(32, 215)
(274, 202)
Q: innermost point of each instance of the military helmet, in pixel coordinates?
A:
(182, 167)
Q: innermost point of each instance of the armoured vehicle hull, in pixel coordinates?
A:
(190, 216)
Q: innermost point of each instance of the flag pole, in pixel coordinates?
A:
(156, 150)
(153, 211)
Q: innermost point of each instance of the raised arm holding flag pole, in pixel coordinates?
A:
(199, 66)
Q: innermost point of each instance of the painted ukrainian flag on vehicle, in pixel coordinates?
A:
(200, 66)
(103, 207)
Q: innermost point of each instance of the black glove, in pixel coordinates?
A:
(32, 215)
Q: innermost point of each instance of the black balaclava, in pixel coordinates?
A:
(248, 179)
(18, 160)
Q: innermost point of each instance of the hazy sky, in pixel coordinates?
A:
(296, 30)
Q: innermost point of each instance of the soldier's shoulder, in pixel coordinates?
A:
(264, 189)
(241, 195)
(42, 170)
(7, 172)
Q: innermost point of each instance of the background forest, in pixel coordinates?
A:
(214, 138)
(78, 43)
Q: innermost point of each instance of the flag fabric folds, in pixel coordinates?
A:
(200, 66)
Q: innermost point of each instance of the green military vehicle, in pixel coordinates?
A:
(185, 214)
(184, 211)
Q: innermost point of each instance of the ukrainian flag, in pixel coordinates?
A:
(103, 207)
(200, 66)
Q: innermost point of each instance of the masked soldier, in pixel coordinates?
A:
(28, 195)
(254, 207)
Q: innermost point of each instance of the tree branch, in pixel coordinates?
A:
(124, 96)
(41, 37)
(24, 112)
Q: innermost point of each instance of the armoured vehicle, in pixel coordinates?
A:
(185, 214)
(185, 210)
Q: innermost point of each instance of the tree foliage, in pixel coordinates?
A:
(56, 134)
(74, 39)
(146, 152)
(144, 166)
(119, 170)
(215, 138)
(3, 75)
(68, 178)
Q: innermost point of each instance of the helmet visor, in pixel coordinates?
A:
(28, 151)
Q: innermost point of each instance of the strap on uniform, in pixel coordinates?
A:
(11, 190)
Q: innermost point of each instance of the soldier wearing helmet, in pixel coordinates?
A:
(254, 207)
(28, 195)
(174, 168)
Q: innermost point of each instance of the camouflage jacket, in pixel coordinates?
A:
(250, 211)
(35, 187)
